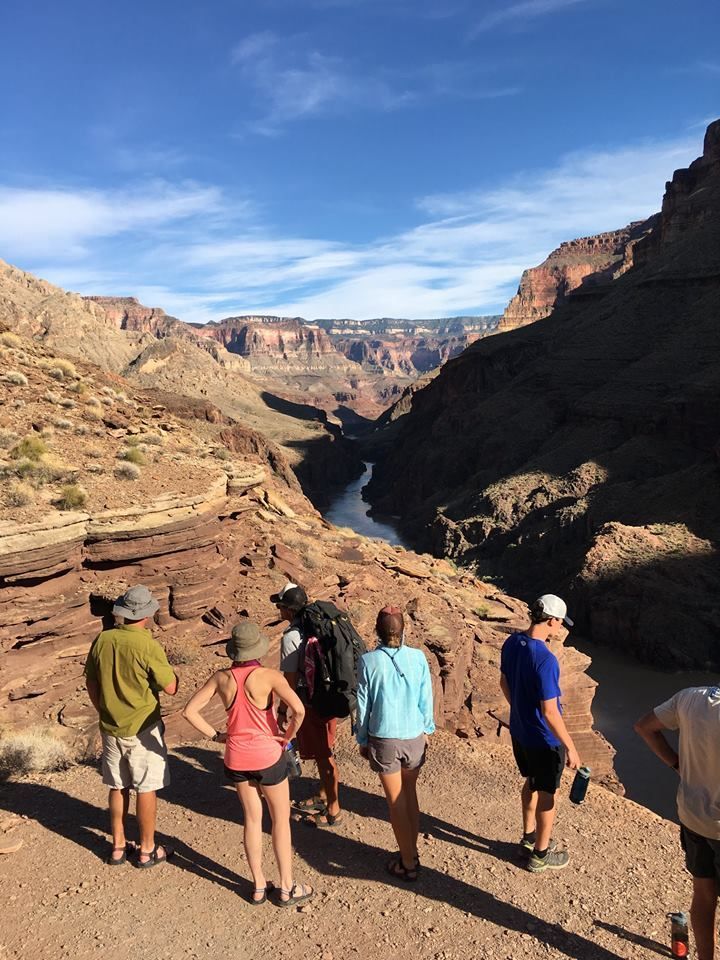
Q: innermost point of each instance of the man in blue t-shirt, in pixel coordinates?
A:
(530, 681)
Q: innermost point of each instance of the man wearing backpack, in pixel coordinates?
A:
(318, 655)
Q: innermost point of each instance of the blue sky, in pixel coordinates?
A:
(330, 158)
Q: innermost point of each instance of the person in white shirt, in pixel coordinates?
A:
(695, 712)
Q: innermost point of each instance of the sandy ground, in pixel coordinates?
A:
(473, 898)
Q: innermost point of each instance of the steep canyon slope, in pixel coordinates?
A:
(580, 452)
(105, 484)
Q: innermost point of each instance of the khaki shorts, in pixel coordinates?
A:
(137, 762)
(388, 755)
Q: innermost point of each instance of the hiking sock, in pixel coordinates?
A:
(529, 837)
(540, 854)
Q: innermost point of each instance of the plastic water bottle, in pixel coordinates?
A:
(580, 785)
(293, 762)
(679, 939)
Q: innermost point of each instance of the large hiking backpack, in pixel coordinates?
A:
(332, 660)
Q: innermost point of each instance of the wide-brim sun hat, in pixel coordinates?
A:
(247, 642)
(136, 603)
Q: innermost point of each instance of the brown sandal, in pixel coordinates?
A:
(293, 897)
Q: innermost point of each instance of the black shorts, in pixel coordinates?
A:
(269, 777)
(542, 766)
(702, 856)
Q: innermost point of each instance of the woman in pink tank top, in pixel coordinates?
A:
(255, 758)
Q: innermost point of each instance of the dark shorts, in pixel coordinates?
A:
(269, 777)
(390, 755)
(316, 736)
(702, 856)
(542, 766)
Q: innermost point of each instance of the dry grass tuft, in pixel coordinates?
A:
(51, 396)
(133, 455)
(72, 497)
(31, 447)
(62, 424)
(9, 339)
(19, 495)
(34, 751)
(7, 439)
(127, 471)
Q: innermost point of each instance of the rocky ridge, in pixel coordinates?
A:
(579, 452)
(582, 267)
(213, 520)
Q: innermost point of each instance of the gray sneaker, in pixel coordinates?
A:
(553, 860)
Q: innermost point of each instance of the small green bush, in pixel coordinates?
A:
(30, 448)
(72, 497)
(133, 455)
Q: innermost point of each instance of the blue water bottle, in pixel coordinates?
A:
(580, 785)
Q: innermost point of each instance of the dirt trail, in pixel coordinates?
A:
(473, 899)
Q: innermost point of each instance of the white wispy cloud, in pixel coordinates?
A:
(520, 13)
(197, 254)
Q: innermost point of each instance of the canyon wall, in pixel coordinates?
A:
(579, 453)
(580, 267)
(213, 521)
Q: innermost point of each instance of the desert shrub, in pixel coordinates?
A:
(71, 497)
(49, 473)
(156, 439)
(31, 447)
(133, 455)
(179, 654)
(96, 468)
(34, 751)
(68, 403)
(221, 453)
(107, 400)
(81, 430)
(47, 431)
(16, 378)
(51, 396)
(7, 439)
(9, 339)
(56, 373)
(90, 413)
(92, 401)
(127, 471)
(132, 439)
(25, 468)
(66, 368)
(62, 424)
(19, 495)
(79, 387)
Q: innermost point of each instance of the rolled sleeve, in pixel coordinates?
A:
(363, 705)
(667, 713)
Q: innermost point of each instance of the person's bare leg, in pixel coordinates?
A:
(249, 794)
(330, 780)
(544, 818)
(702, 915)
(146, 813)
(409, 788)
(278, 801)
(529, 799)
(118, 803)
(397, 805)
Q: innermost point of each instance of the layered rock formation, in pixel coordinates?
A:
(579, 453)
(412, 356)
(581, 267)
(213, 536)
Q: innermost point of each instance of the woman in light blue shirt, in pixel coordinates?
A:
(394, 719)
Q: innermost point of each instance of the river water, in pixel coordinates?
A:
(626, 689)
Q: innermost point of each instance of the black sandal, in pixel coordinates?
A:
(153, 858)
(112, 862)
(399, 871)
(311, 805)
(268, 888)
(330, 818)
(293, 898)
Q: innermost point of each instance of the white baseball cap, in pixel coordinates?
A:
(552, 606)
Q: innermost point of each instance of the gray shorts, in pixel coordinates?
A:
(388, 755)
(137, 762)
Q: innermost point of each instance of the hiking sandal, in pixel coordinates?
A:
(399, 871)
(294, 897)
(121, 861)
(154, 858)
(268, 888)
(330, 819)
(311, 805)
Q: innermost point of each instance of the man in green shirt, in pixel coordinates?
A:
(125, 671)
